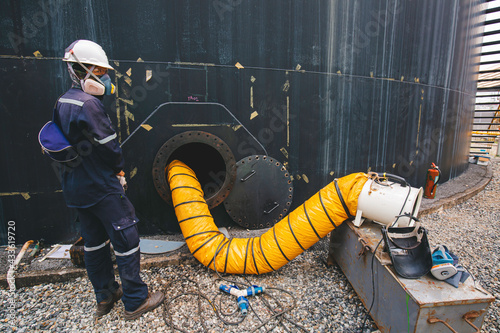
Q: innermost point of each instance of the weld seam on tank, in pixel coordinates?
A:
(266, 252)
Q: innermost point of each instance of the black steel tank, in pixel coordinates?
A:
(268, 100)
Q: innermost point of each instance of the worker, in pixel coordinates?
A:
(94, 184)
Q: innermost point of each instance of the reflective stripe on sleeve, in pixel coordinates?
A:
(106, 139)
(134, 250)
(71, 101)
(95, 248)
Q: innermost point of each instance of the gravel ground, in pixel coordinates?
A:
(323, 300)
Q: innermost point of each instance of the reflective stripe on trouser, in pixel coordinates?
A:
(96, 229)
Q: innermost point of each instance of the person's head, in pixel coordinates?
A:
(88, 66)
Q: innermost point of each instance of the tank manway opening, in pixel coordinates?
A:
(208, 155)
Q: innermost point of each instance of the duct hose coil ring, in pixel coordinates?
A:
(294, 234)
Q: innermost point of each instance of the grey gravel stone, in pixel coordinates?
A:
(325, 301)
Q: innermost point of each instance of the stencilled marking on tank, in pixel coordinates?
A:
(305, 178)
(133, 172)
(25, 195)
(127, 101)
(147, 127)
(139, 59)
(37, 54)
(253, 115)
(129, 72)
(286, 86)
(149, 74)
(238, 65)
(284, 151)
(251, 97)
(128, 116)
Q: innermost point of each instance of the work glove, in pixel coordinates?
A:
(121, 178)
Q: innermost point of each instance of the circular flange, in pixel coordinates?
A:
(210, 158)
(262, 193)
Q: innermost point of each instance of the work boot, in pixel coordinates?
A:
(150, 303)
(105, 306)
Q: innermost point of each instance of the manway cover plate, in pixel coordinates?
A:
(262, 193)
(153, 246)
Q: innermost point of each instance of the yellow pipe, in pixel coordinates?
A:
(294, 234)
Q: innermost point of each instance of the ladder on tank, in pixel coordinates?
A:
(486, 124)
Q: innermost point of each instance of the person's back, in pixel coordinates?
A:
(91, 177)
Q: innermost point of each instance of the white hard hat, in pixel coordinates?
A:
(86, 52)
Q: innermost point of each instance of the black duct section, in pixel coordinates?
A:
(325, 87)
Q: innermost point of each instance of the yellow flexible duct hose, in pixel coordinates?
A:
(294, 234)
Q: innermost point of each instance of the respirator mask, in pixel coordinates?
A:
(97, 86)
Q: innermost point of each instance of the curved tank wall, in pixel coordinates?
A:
(325, 87)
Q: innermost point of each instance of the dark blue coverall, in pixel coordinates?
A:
(90, 184)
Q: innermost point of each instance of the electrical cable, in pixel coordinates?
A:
(278, 310)
(248, 284)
